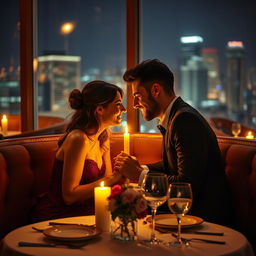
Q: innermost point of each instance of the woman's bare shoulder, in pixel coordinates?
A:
(77, 137)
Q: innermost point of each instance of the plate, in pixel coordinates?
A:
(170, 221)
(72, 232)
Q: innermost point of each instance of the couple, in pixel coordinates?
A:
(190, 149)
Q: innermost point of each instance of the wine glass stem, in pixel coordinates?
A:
(179, 227)
(153, 236)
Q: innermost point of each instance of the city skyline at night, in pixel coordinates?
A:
(98, 38)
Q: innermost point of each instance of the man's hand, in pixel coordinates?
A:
(128, 166)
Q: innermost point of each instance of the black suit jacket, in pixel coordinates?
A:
(191, 154)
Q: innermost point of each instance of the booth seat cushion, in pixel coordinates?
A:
(26, 165)
(25, 172)
(240, 167)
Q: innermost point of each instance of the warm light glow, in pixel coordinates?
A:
(4, 124)
(250, 135)
(236, 44)
(126, 129)
(35, 64)
(102, 184)
(126, 141)
(67, 28)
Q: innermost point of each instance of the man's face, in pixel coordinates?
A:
(144, 101)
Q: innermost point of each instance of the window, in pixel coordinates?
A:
(78, 41)
(210, 47)
(10, 65)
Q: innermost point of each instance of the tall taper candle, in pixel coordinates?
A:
(126, 141)
(102, 214)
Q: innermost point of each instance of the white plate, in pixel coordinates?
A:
(72, 232)
(170, 221)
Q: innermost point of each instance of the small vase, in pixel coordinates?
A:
(124, 230)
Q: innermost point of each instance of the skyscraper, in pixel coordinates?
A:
(194, 81)
(57, 76)
(211, 58)
(251, 97)
(235, 80)
(193, 71)
(190, 46)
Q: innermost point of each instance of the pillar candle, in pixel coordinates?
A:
(4, 123)
(126, 141)
(102, 214)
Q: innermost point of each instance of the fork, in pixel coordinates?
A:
(187, 240)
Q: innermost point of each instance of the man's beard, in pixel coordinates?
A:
(153, 109)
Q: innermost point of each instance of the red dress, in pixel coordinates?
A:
(50, 205)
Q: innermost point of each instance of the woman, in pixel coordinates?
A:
(83, 156)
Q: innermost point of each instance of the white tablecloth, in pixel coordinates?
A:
(236, 243)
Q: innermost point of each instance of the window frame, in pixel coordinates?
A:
(28, 46)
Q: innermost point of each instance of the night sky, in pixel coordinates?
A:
(99, 36)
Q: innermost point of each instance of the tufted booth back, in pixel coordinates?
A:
(25, 171)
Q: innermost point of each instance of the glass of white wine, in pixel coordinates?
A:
(179, 202)
(155, 188)
(236, 129)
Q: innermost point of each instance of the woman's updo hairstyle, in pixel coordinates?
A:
(94, 94)
(76, 99)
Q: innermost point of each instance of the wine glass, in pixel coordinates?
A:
(236, 129)
(155, 188)
(179, 202)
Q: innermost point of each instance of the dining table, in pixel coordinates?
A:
(236, 244)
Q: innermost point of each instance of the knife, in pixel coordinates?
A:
(30, 244)
(165, 230)
(187, 240)
(52, 223)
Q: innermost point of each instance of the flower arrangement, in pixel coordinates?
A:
(127, 205)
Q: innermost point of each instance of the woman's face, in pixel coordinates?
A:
(112, 114)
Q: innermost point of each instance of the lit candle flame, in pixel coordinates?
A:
(4, 117)
(102, 184)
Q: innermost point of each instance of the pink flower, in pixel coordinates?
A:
(115, 191)
(112, 205)
(141, 205)
(128, 196)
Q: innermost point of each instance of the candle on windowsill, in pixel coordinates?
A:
(102, 214)
(126, 141)
(249, 135)
(4, 124)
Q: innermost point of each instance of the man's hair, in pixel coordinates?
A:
(149, 72)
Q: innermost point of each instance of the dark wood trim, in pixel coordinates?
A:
(26, 63)
(132, 56)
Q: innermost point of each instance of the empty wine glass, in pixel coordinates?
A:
(179, 202)
(155, 188)
(236, 129)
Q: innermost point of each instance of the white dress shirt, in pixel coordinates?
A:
(164, 122)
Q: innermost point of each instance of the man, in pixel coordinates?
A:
(190, 149)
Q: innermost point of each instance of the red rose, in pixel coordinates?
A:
(115, 191)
